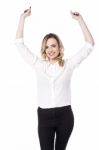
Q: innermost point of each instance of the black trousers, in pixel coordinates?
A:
(54, 127)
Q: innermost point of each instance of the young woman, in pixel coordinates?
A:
(55, 116)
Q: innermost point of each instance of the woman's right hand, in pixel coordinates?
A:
(26, 13)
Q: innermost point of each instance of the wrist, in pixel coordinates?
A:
(22, 17)
(80, 20)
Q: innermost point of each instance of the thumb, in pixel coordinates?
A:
(27, 10)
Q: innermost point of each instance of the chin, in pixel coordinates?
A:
(52, 57)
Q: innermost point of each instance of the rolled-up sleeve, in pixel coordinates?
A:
(75, 60)
(26, 54)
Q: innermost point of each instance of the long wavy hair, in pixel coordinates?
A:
(61, 48)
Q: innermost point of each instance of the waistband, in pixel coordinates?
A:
(55, 108)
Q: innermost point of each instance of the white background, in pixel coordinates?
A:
(18, 103)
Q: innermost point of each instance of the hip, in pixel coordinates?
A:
(57, 115)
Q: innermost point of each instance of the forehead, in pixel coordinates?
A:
(51, 41)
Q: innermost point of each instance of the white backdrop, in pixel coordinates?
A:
(18, 98)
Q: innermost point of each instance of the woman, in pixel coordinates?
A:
(55, 116)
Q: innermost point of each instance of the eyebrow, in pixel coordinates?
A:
(51, 45)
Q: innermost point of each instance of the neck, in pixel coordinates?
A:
(52, 61)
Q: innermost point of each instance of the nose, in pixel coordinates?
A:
(50, 48)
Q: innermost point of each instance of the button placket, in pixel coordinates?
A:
(52, 91)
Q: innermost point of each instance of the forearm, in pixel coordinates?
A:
(20, 29)
(87, 35)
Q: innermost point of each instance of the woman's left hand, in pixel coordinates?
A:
(76, 15)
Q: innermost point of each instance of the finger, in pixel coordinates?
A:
(76, 13)
(27, 9)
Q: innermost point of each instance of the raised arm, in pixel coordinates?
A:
(24, 51)
(87, 35)
(20, 29)
(75, 60)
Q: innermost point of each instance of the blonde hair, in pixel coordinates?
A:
(61, 48)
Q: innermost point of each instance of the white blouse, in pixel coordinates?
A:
(53, 81)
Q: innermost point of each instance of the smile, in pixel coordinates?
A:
(51, 54)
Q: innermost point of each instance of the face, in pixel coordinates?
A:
(52, 48)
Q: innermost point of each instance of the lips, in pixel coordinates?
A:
(51, 54)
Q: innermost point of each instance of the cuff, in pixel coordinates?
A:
(19, 40)
(89, 45)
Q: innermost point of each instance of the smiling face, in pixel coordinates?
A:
(52, 49)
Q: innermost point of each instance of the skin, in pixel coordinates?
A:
(52, 49)
(75, 15)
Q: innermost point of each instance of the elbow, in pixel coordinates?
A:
(92, 42)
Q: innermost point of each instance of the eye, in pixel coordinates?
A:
(53, 45)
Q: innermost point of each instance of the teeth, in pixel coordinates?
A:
(51, 54)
